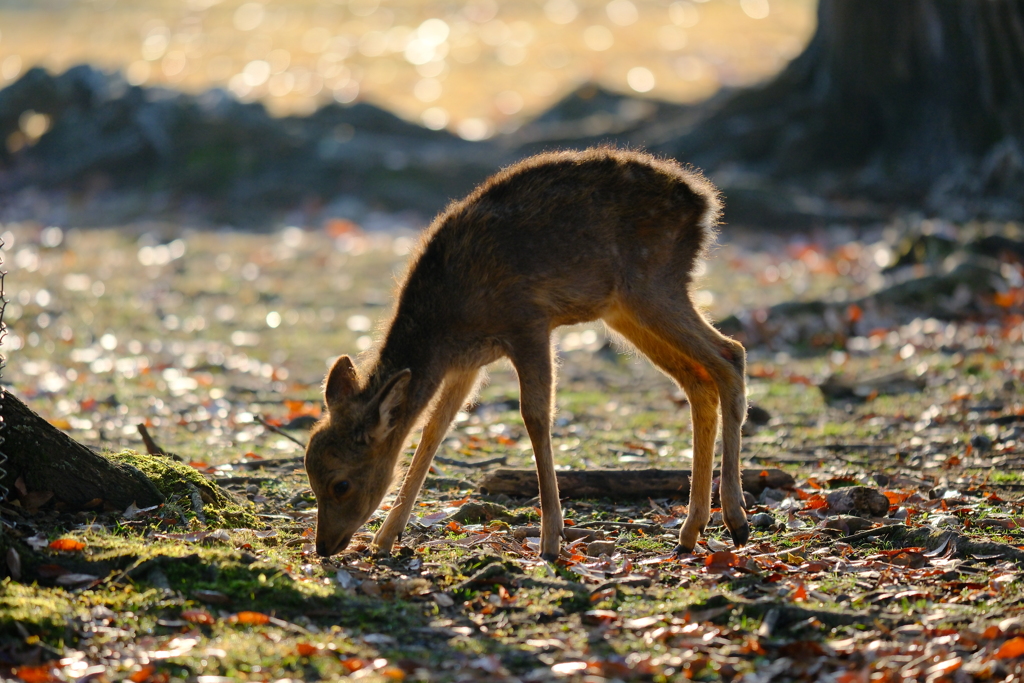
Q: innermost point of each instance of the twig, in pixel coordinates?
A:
(629, 526)
(278, 430)
(870, 533)
(500, 460)
(271, 462)
(151, 446)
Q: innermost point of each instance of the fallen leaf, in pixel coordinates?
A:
(66, 545)
(75, 579)
(35, 674)
(251, 618)
(1012, 648)
(198, 616)
(142, 674)
(722, 561)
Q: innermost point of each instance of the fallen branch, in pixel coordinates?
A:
(628, 526)
(500, 460)
(621, 484)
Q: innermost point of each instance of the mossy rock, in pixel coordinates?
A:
(178, 482)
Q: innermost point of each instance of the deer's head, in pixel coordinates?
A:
(351, 454)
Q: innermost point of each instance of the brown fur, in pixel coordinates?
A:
(557, 239)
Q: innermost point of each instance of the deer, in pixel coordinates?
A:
(560, 238)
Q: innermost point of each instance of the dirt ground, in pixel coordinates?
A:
(890, 552)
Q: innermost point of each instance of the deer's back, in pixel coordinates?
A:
(561, 233)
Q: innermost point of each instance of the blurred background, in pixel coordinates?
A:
(474, 67)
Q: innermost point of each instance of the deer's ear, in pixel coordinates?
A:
(342, 382)
(388, 403)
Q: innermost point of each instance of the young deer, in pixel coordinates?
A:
(558, 239)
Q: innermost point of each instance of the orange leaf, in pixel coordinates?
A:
(336, 227)
(800, 593)
(353, 663)
(142, 674)
(895, 497)
(454, 526)
(1011, 648)
(991, 632)
(66, 544)
(306, 649)
(816, 502)
(1004, 299)
(197, 616)
(35, 674)
(721, 561)
(199, 464)
(251, 618)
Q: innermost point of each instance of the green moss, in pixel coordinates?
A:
(179, 482)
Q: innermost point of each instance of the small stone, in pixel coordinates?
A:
(848, 524)
(1012, 625)
(981, 443)
(858, 500)
(762, 520)
(598, 548)
(770, 495)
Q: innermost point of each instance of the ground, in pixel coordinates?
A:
(218, 341)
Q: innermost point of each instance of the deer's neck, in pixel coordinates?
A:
(408, 347)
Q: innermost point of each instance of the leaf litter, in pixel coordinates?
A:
(895, 554)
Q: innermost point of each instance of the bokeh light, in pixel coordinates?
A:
(473, 67)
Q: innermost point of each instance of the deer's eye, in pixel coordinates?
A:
(340, 488)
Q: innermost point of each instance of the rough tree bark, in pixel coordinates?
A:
(919, 100)
(48, 460)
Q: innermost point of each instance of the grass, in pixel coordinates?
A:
(187, 347)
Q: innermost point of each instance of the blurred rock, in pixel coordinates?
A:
(841, 387)
(981, 443)
(598, 548)
(101, 132)
(848, 524)
(858, 500)
(757, 417)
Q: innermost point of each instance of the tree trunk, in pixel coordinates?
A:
(48, 460)
(919, 100)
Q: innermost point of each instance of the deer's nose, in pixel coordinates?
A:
(324, 549)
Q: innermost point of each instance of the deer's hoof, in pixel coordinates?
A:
(549, 557)
(741, 534)
(683, 550)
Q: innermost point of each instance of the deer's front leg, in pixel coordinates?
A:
(704, 417)
(456, 388)
(532, 360)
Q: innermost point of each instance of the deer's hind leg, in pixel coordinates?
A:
(457, 386)
(710, 369)
(531, 356)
